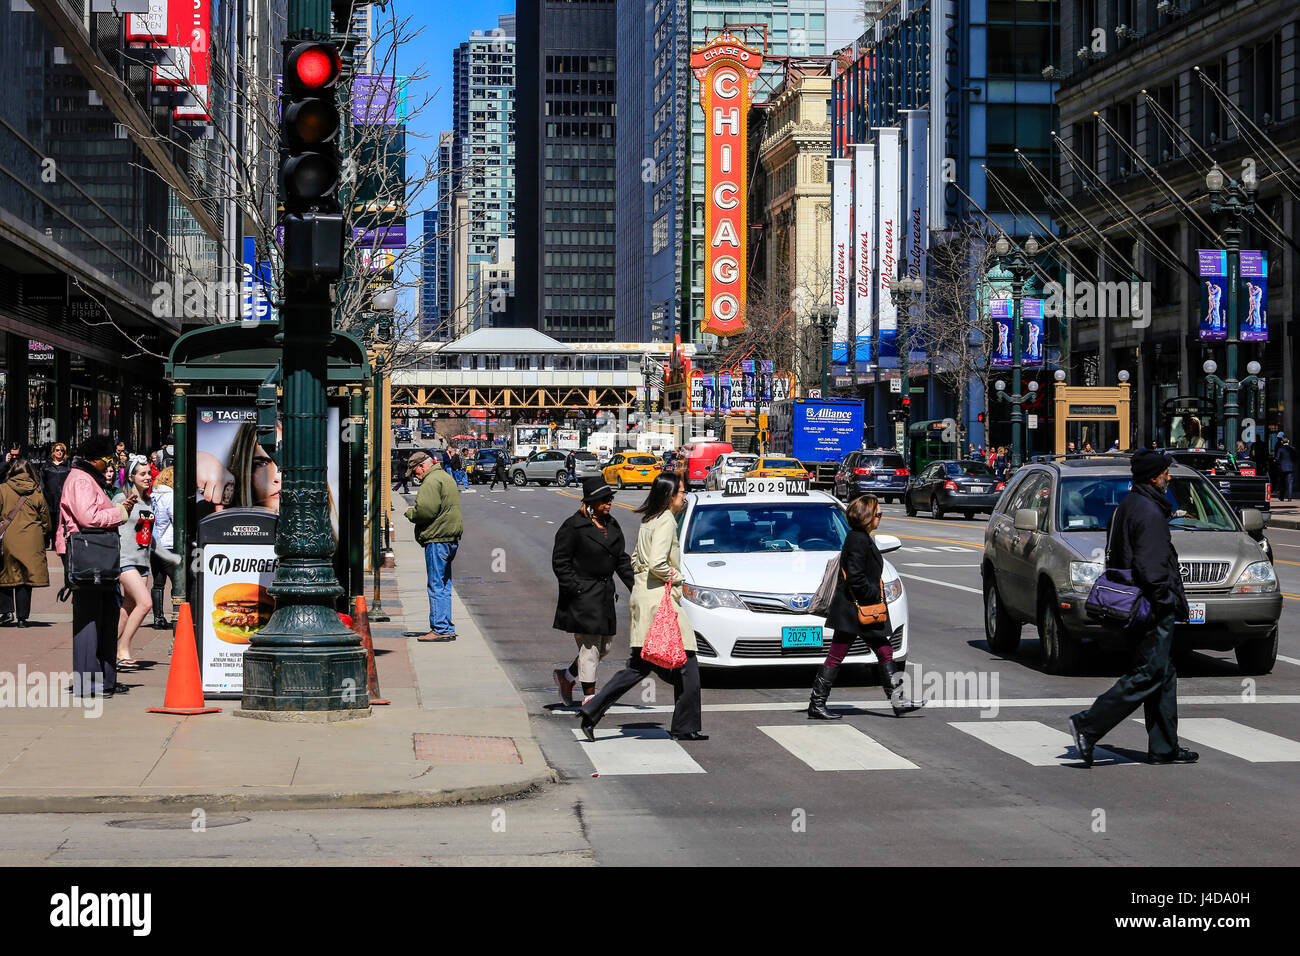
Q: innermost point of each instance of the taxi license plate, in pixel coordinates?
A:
(1196, 612)
(801, 637)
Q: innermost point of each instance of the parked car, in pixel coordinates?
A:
(1045, 545)
(727, 466)
(699, 457)
(880, 472)
(542, 467)
(968, 487)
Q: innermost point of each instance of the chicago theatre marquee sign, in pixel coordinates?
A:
(725, 69)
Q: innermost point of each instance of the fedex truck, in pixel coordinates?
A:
(819, 432)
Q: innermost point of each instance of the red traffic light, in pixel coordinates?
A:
(980, 418)
(313, 66)
(906, 402)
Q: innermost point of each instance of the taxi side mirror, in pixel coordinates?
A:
(1026, 519)
(1252, 519)
(886, 543)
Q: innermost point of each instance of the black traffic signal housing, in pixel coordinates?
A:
(310, 162)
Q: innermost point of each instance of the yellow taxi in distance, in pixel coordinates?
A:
(631, 468)
(778, 468)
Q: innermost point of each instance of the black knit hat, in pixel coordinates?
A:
(1147, 463)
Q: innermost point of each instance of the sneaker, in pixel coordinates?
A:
(562, 680)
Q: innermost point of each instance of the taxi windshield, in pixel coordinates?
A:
(1086, 504)
(749, 529)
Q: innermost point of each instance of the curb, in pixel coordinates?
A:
(269, 799)
(1283, 524)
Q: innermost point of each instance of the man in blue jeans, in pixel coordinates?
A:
(438, 527)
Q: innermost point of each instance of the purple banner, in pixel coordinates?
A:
(1214, 309)
(378, 100)
(384, 237)
(1000, 310)
(1213, 263)
(1254, 325)
(1253, 264)
(1031, 312)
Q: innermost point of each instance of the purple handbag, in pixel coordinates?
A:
(1117, 600)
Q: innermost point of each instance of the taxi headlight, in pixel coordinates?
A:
(1083, 574)
(710, 598)
(893, 590)
(1258, 578)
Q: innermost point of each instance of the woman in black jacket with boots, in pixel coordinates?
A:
(589, 552)
(861, 565)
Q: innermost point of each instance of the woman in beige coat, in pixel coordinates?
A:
(655, 556)
(24, 566)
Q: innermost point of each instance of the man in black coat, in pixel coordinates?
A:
(589, 551)
(499, 472)
(1140, 542)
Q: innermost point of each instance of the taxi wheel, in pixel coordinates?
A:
(1060, 651)
(621, 486)
(1001, 631)
(1258, 656)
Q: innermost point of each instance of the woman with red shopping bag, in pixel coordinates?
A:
(661, 632)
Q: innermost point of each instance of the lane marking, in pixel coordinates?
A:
(1289, 660)
(879, 702)
(636, 751)
(931, 522)
(946, 584)
(960, 544)
(1034, 742)
(1220, 733)
(617, 504)
(1281, 561)
(836, 748)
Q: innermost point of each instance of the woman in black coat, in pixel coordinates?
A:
(53, 474)
(861, 567)
(589, 551)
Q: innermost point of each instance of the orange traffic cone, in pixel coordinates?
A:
(362, 627)
(184, 683)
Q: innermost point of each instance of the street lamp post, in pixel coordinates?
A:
(904, 291)
(1237, 199)
(1020, 264)
(825, 318)
(1229, 389)
(383, 303)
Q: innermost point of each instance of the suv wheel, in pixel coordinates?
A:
(1060, 650)
(1258, 656)
(561, 478)
(1001, 631)
(519, 478)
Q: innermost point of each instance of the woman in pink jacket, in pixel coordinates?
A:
(85, 505)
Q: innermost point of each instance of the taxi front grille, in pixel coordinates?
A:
(702, 647)
(767, 604)
(773, 648)
(1204, 572)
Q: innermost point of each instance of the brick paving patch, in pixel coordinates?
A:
(459, 748)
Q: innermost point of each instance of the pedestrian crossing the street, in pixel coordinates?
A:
(842, 747)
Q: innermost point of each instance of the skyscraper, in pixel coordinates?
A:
(565, 168)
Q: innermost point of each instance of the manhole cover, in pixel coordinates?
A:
(168, 822)
(458, 748)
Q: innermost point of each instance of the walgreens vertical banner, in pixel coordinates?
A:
(725, 69)
(889, 240)
(864, 249)
(841, 244)
(917, 126)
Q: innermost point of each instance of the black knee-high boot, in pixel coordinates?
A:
(159, 619)
(821, 691)
(891, 681)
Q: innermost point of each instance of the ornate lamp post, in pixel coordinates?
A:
(1227, 390)
(1237, 200)
(1020, 265)
(905, 290)
(825, 317)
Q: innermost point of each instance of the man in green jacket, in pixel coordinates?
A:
(438, 527)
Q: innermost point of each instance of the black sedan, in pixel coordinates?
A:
(943, 486)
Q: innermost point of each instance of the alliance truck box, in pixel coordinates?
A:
(819, 432)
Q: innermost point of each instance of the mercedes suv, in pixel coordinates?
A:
(1045, 546)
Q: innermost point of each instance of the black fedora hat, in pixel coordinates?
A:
(595, 489)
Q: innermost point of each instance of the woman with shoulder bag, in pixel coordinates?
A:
(857, 594)
(163, 562)
(85, 506)
(656, 558)
(137, 550)
(589, 550)
(26, 521)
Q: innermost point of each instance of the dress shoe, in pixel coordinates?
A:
(7, 620)
(588, 726)
(1082, 745)
(1178, 756)
(22, 622)
(693, 735)
(117, 689)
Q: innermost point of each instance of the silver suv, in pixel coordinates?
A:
(1045, 546)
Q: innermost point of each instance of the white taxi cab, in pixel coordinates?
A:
(752, 557)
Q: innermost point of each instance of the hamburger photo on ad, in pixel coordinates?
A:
(241, 610)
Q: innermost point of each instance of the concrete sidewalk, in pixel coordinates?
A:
(456, 730)
(1284, 515)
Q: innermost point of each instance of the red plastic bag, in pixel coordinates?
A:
(663, 642)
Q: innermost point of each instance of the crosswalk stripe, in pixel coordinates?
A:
(837, 747)
(1033, 742)
(637, 751)
(1220, 733)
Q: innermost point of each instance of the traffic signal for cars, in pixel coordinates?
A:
(310, 163)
